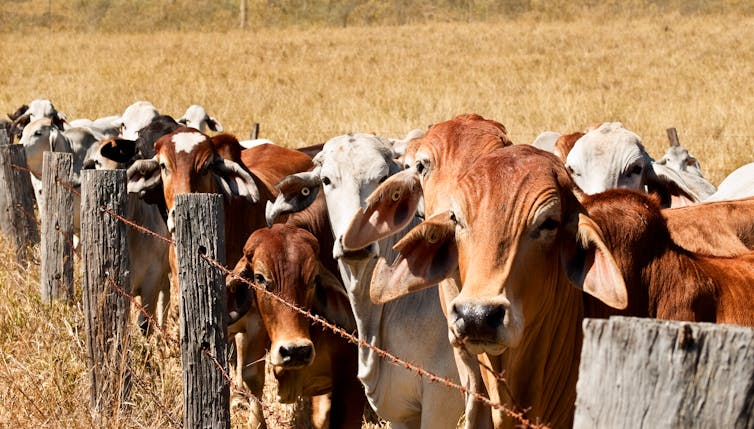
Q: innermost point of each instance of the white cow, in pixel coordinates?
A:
(150, 267)
(738, 185)
(38, 109)
(107, 125)
(687, 166)
(611, 156)
(41, 136)
(134, 118)
(348, 169)
(196, 117)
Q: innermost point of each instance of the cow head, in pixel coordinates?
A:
(188, 161)
(111, 154)
(518, 249)
(42, 136)
(197, 117)
(37, 109)
(284, 261)
(136, 116)
(438, 159)
(347, 170)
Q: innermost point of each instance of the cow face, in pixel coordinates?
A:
(282, 260)
(188, 161)
(607, 157)
(518, 249)
(42, 136)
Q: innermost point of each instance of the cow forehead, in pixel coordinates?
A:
(185, 142)
(356, 155)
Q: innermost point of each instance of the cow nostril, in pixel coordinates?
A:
(296, 355)
(478, 322)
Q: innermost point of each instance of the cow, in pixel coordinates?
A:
(611, 156)
(188, 161)
(135, 117)
(197, 117)
(525, 253)
(307, 359)
(559, 144)
(36, 109)
(42, 136)
(150, 267)
(738, 184)
(440, 158)
(730, 234)
(106, 125)
(347, 169)
(663, 279)
(678, 159)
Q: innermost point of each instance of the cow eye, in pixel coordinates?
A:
(258, 278)
(422, 166)
(635, 170)
(326, 181)
(571, 171)
(549, 224)
(162, 166)
(383, 178)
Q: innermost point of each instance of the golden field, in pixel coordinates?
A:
(307, 85)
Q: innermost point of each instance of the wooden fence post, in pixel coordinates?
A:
(200, 232)
(17, 219)
(255, 131)
(244, 14)
(673, 137)
(57, 228)
(4, 136)
(104, 245)
(644, 373)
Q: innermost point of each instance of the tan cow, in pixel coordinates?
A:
(308, 359)
(519, 248)
(663, 279)
(439, 159)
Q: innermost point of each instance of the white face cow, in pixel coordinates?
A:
(608, 157)
(136, 117)
(196, 117)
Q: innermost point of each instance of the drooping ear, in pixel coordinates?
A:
(235, 180)
(214, 124)
(590, 265)
(428, 255)
(670, 186)
(240, 297)
(59, 120)
(119, 150)
(297, 192)
(331, 300)
(388, 210)
(143, 176)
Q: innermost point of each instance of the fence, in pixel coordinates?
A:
(199, 247)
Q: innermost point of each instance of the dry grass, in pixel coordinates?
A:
(305, 86)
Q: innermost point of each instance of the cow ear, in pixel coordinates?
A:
(670, 186)
(119, 150)
(427, 255)
(388, 210)
(214, 124)
(297, 192)
(241, 298)
(331, 300)
(590, 266)
(143, 176)
(235, 180)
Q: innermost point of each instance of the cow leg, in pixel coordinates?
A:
(321, 406)
(251, 348)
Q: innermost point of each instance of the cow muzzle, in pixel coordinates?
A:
(479, 327)
(292, 354)
(365, 253)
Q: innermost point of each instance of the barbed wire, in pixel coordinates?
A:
(517, 415)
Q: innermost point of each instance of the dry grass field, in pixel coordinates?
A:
(305, 86)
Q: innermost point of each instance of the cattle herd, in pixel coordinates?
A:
(451, 248)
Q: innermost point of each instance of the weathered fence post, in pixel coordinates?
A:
(4, 136)
(104, 245)
(255, 131)
(57, 228)
(17, 219)
(673, 137)
(200, 233)
(644, 373)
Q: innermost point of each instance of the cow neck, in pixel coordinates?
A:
(679, 288)
(543, 369)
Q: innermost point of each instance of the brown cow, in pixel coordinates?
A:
(188, 161)
(719, 228)
(308, 359)
(439, 159)
(519, 248)
(663, 279)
